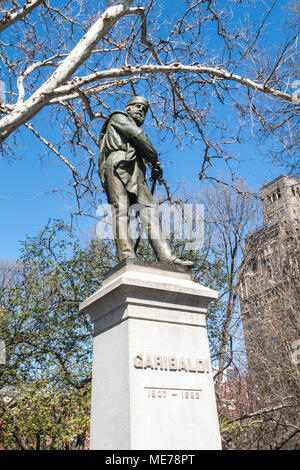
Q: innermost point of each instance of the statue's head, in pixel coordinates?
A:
(137, 108)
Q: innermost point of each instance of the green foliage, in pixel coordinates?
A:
(241, 435)
(42, 417)
(48, 343)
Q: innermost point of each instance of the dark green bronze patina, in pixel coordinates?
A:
(125, 151)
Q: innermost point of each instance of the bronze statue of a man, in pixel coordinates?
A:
(125, 150)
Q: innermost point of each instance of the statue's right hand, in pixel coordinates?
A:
(157, 171)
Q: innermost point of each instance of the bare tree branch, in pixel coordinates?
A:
(12, 16)
(77, 56)
(173, 69)
(51, 147)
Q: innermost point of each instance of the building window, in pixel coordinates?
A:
(253, 264)
(270, 271)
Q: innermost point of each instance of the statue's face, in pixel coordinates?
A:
(138, 112)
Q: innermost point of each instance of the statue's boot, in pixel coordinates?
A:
(151, 223)
(188, 264)
(124, 243)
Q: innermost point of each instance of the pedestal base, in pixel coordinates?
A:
(152, 382)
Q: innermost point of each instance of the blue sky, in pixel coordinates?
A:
(24, 206)
(26, 201)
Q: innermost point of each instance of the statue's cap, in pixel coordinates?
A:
(138, 99)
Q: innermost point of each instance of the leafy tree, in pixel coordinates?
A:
(45, 382)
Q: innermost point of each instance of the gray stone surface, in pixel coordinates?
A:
(152, 382)
(138, 265)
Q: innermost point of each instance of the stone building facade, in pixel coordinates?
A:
(270, 284)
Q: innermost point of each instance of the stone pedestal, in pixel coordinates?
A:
(152, 385)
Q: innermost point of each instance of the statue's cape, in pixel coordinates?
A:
(104, 127)
(130, 169)
(102, 149)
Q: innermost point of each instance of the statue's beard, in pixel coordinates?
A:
(138, 118)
